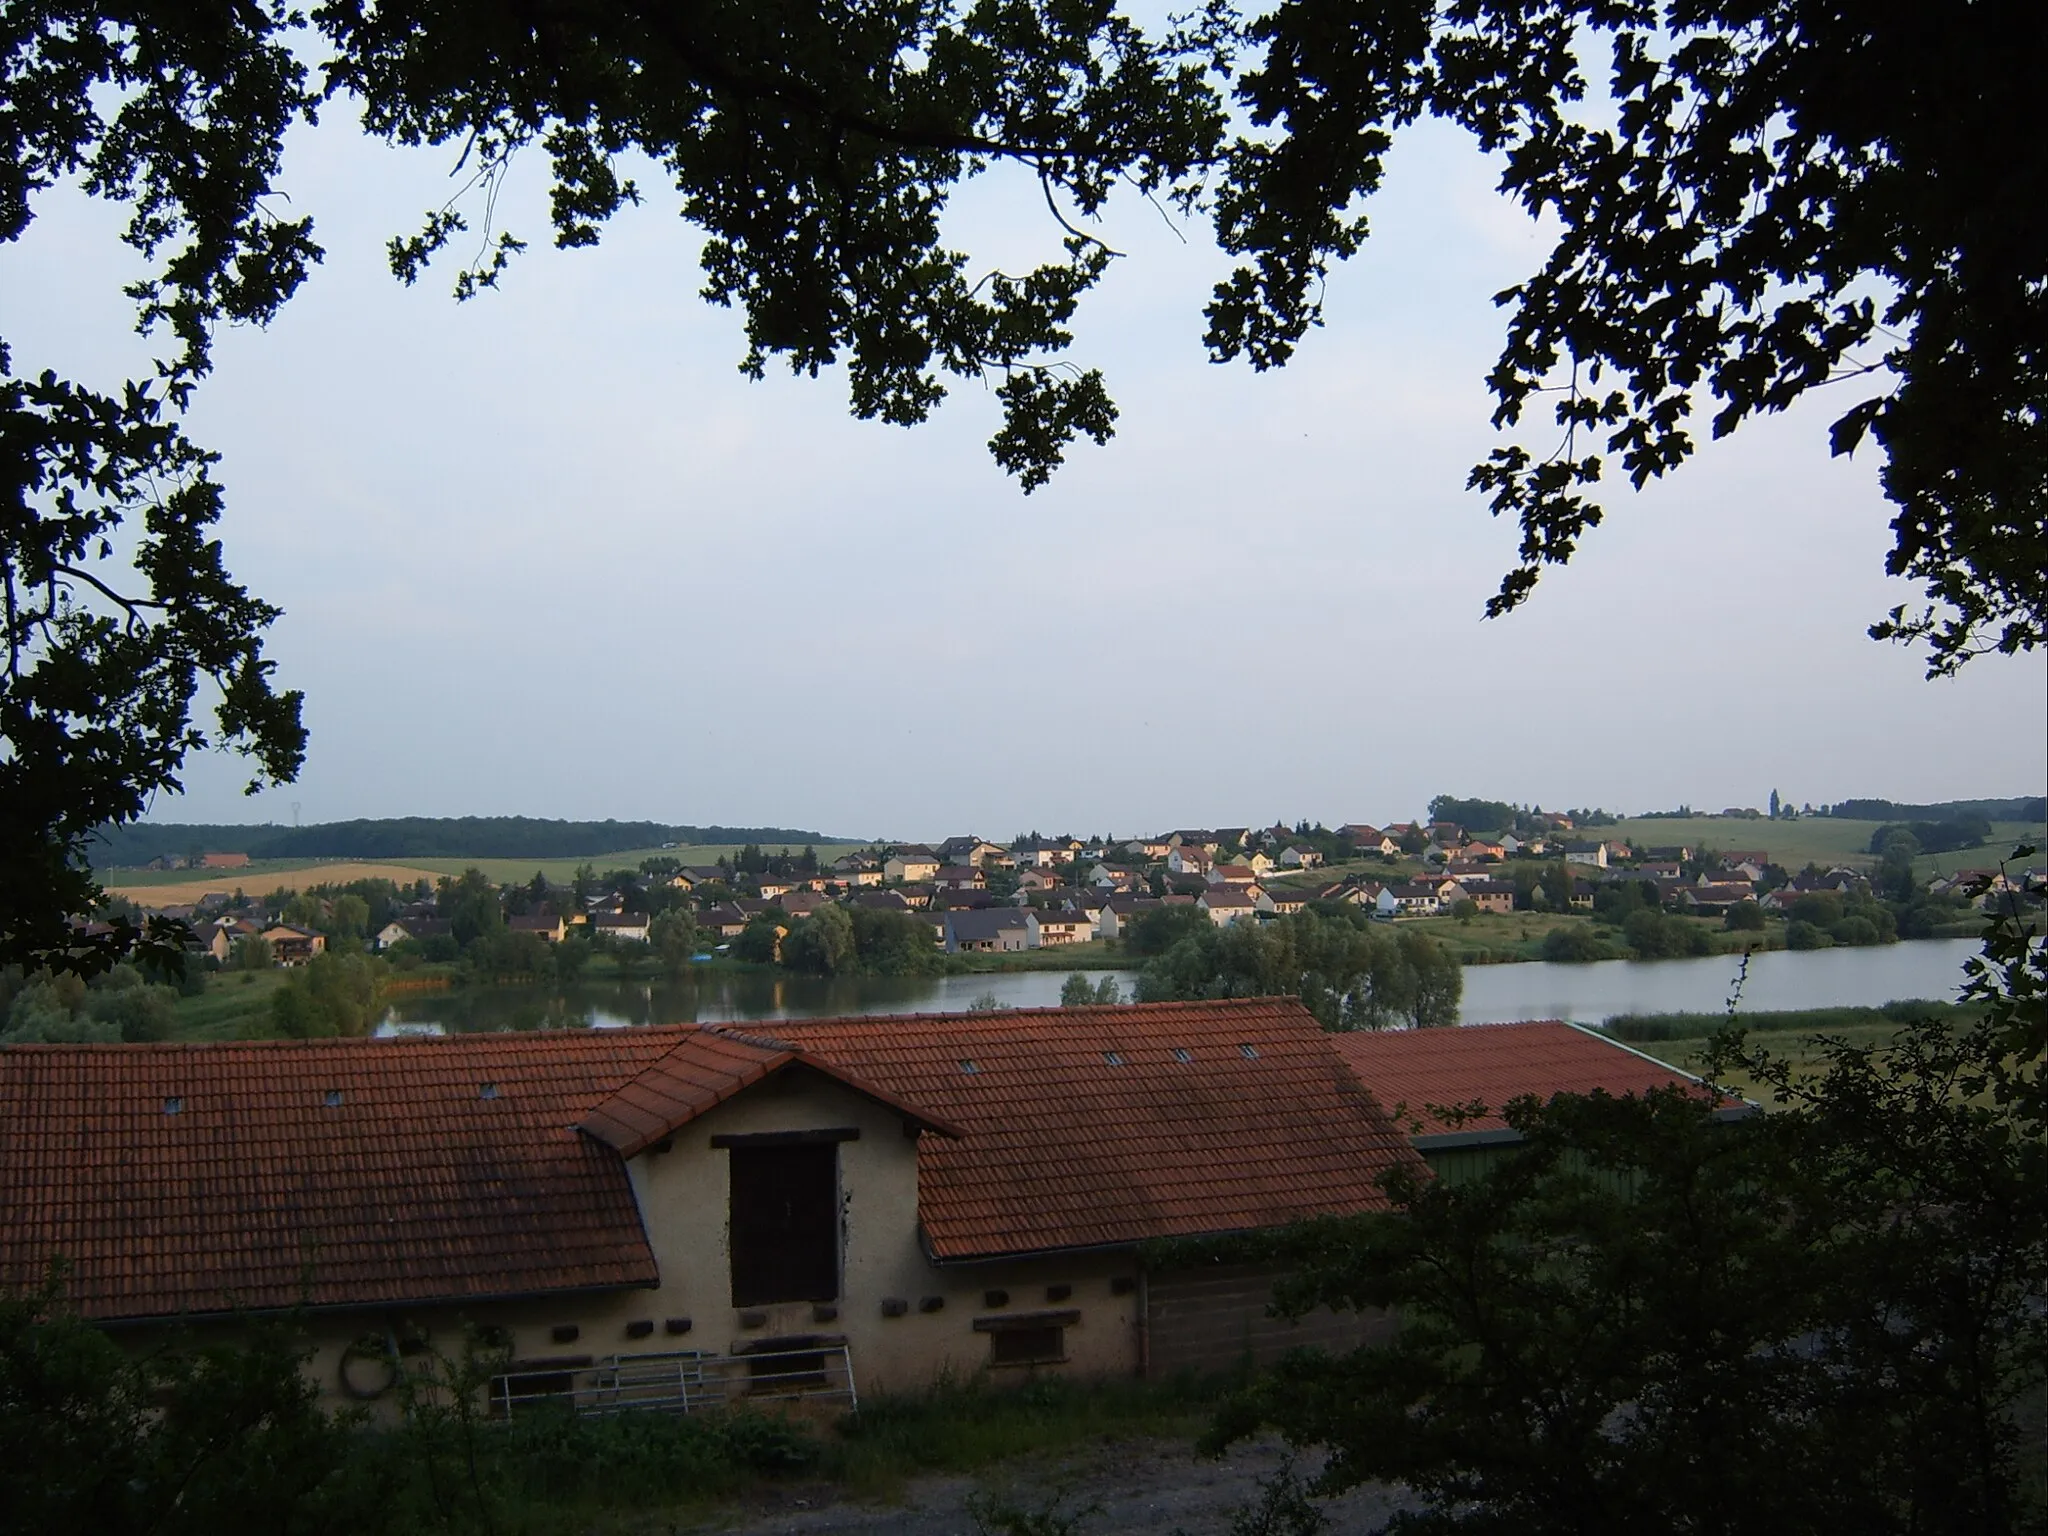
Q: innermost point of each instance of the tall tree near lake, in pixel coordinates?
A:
(674, 938)
(471, 907)
(1348, 971)
(1776, 197)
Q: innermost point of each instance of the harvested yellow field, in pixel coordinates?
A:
(256, 879)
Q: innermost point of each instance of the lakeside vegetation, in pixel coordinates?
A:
(1637, 1028)
(1805, 1039)
(345, 993)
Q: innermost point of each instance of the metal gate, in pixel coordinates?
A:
(684, 1381)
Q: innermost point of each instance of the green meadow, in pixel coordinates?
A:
(1810, 840)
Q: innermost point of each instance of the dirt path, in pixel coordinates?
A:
(1155, 1486)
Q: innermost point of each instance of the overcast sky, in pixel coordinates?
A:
(548, 553)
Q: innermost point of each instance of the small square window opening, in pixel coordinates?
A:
(1044, 1345)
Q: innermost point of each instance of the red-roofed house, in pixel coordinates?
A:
(897, 1198)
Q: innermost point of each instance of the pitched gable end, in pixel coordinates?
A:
(704, 1069)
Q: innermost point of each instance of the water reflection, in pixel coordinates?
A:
(725, 999)
(1586, 993)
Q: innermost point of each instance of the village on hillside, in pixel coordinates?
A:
(976, 896)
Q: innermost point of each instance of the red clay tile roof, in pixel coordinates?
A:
(347, 1171)
(257, 1192)
(1065, 1147)
(1493, 1063)
(197, 1179)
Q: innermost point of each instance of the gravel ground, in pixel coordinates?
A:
(1146, 1486)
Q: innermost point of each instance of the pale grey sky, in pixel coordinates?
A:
(548, 553)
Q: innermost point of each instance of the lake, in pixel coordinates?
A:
(1779, 978)
(1587, 994)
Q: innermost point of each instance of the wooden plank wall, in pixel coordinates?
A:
(1215, 1319)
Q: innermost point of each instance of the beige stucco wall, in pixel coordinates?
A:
(683, 1194)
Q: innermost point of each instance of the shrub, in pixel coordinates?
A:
(1804, 935)
(1575, 946)
(1744, 917)
(1662, 936)
(1822, 909)
(136, 1013)
(1158, 929)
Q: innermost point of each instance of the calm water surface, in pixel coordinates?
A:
(1780, 978)
(1585, 993)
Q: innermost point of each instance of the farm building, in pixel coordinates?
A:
(686, 1215)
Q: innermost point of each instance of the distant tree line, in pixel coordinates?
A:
(1475, 815)
(2026, 808)
(1948, 835)
(1503, 816)
(417, 837)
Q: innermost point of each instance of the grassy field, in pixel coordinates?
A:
(1809, 839)
(1493, 938)
(179, 887)
(1792, 1035)
(170, 887)
(1095, 955)
(564, 870)
(234, 1006)
(2005, 836)
(1801, 1049)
